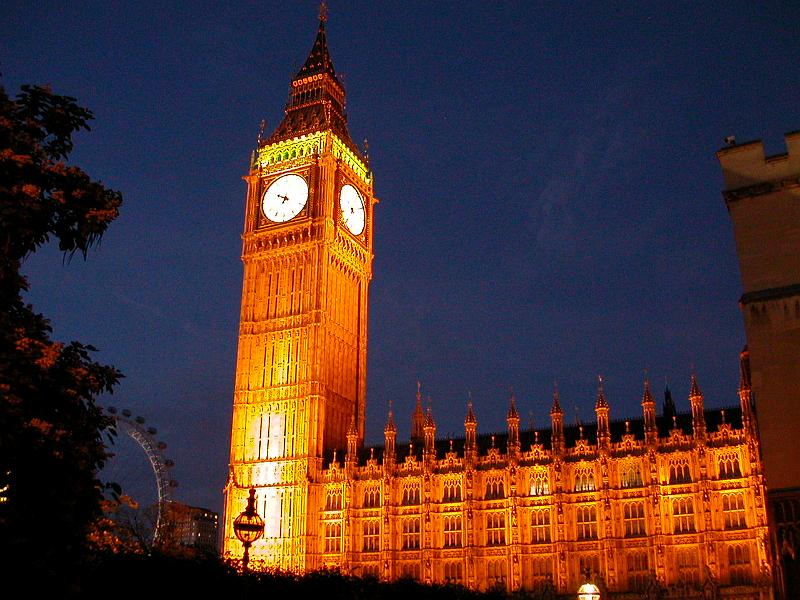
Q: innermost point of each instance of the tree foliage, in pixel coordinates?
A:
(51, 444)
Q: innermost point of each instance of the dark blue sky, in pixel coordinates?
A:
(550, 202)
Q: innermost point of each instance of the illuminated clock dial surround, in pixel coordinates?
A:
(352, 206)
(285, 198)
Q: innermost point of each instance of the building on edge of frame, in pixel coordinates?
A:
(666, 505)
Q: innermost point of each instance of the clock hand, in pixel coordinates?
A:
(284, 196)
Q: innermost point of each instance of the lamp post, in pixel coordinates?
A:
(248, 527)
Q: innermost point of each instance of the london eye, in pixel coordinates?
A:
(138, 464)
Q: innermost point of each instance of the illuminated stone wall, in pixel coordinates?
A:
(682, 511)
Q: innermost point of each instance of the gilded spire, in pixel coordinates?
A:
(390, 420)
(647, 397)
(694, 392)
(512, 407)
(429, 422)
(319, 59)
(556, 404)
(316, 97)
(601, 397)
(470, 414)
(418, 418)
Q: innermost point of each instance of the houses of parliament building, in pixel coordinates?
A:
(671, 504)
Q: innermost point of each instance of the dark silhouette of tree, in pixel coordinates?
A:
(51, 430)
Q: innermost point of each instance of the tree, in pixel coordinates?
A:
(51, 429)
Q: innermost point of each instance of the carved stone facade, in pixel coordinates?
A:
(665, 503)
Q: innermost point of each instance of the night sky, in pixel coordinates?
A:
(550, 205)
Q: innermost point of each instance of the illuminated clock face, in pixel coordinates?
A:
(285, 198)
(352, 209)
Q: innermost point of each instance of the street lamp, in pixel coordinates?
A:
(588, 591)
(248, 527)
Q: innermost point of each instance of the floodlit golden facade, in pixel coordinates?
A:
(671, 504)
(302, 354)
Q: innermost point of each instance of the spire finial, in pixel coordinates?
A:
(323, 11)
(601, 397)
(470, 413)
(512, 406)
(556, 404)
(695, 390)
(390, 420)
(261, 127)
(647, 397)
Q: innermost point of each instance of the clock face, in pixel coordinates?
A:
(352, 209)
(285, 198)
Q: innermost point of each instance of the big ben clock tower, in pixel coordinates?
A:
(302, 355)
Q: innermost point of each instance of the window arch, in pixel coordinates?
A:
(371, 531)
(633, 516)
(495, 488)
(679, 471)
(739, 564)
(411, 494)
(540, 484)
(452, 491)
(587, 522)
(495, 529)
(683, 515)
(584, 479)
(540, 526)
(452, 531)
(333, 500)
(333, 537)
(631, 475)
(372, 497)
(411, 535)
(728, 464)
(733, 511)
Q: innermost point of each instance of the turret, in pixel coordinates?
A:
(418, 418)
(698, 416)
(389, 439)
(601, 413)
(512, 419)
(557, 423)
(471, 430)
(601, 410)
(352, 444)
(649, 414)
(430, 435)
(745, 390)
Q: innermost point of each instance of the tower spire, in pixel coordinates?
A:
(418, 418)
(601, 411)
(316, 96)
(557, 423)
(649, 412)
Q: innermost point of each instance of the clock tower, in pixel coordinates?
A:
(301, 366)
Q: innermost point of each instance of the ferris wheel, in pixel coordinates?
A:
(133, 478)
